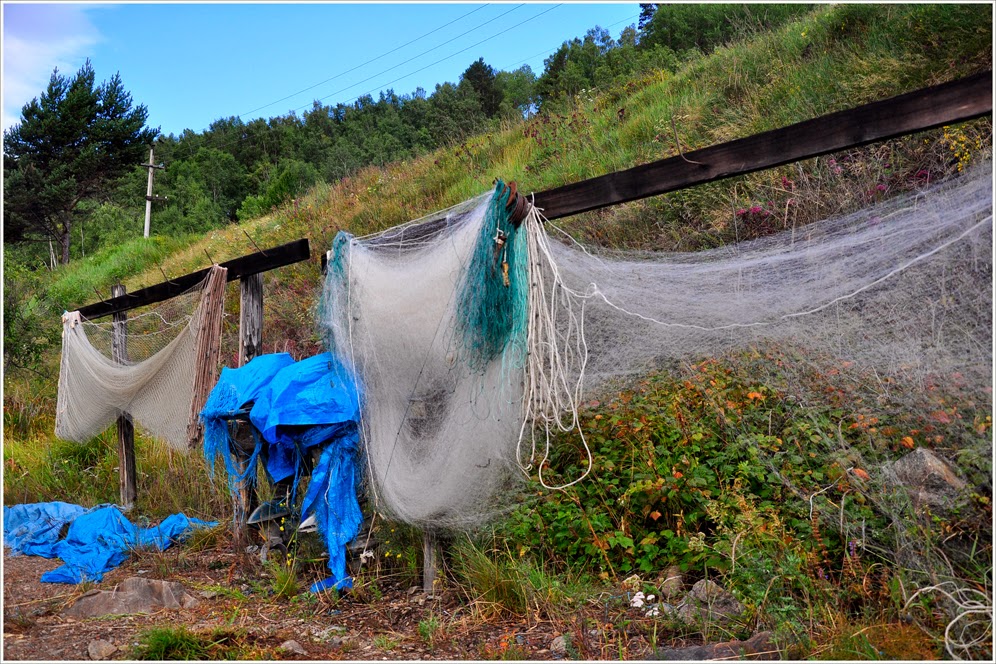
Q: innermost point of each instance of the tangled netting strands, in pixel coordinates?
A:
(155, 375)
(901, 289)
(903, 286)
(441, 383)
(971, 630)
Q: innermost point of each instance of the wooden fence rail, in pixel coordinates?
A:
(957, 101)
(244, 266)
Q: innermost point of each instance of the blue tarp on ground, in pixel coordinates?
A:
(98, 539)
(297, 406)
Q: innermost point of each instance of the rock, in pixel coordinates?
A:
(294, 647)
(673, 583)
(133, 595)
(757, 647)
(931, 480)
(101, 649)
(708, 602)
(558, 647)
(208, 594)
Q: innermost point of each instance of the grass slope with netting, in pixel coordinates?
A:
(701, 502)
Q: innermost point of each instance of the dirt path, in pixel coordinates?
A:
(378, 621)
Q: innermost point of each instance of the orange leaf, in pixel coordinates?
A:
(677, 475)
(862, 474)
(907, 442)
(655, 515)
(941, 416)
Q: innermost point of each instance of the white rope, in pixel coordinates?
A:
(974, 614)
(556, 350)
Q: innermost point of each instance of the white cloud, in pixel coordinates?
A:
(36, 40)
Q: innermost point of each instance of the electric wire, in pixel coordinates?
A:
(381, 85)
(364, 64)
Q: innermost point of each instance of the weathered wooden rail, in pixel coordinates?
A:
(238, 268)
(948, 103)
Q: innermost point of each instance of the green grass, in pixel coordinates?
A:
(180, 643)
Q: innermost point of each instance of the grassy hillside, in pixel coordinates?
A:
(835, 58)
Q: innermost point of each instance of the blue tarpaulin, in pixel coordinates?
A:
(297, 406)
(98, 539)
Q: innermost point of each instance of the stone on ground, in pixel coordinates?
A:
(133, 595)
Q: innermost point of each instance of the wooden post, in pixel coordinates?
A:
(250, 317)
(430, 563)
(250, 343)
(126, 428)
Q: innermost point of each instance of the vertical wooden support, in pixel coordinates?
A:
(250, 317)
(250, 344)
(430, 563)
(126, 428)
(207, 349)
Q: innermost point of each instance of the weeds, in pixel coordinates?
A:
(169, 643)
(385, 642)
(498, 583)
(283, 575)
(428, 629)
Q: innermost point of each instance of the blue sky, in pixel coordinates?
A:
(193, 63)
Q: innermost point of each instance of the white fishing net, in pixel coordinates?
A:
(163, 359)
(902, 289)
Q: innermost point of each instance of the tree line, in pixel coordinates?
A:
(73, 180)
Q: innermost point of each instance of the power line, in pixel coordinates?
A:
(400, 64)
(226, 144)
(554, 48)
(498, 34)
(382, 55)
(229, 143)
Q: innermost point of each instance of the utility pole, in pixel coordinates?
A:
(148, 194)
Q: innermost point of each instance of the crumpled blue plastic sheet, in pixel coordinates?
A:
(297, 406)
(98, 540)
(331, 496)
(235, 389)
(34, 528)
(304, 404)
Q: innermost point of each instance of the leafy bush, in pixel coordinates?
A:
(720, 472)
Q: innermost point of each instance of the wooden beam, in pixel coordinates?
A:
(931, 107)
(250, 317)
(250, 345)
(127, 474)
(430, 563)
(261, 261)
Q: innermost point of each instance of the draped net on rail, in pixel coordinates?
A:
(473, 339)
(165, 360)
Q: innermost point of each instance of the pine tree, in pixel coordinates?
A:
(71, 144)
(483, 78)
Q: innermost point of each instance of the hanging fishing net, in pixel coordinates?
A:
(474, 338)
(157, 367)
